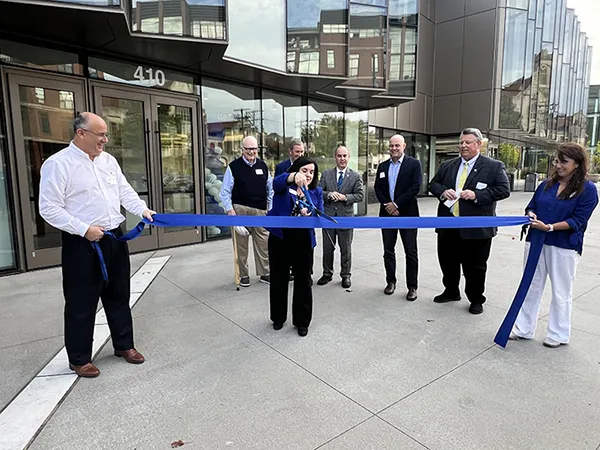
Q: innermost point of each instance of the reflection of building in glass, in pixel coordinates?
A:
(593, 117)
(195, 18)
(544, 73)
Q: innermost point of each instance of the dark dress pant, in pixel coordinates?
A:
(293, 252)
(409, 242)
(472, 255)
(83, 285)
(343, 238)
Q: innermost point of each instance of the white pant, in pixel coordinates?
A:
(560, 264)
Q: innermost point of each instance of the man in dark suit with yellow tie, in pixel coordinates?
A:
(469, 185)
(397, 184)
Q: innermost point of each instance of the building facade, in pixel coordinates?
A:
(180, 83)
(516, 69)
(593, 117)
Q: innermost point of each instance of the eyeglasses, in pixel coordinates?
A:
(251, 149)
(100, 135)
(467, 142)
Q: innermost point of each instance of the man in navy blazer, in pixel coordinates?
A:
(397, 184)
(296, 150)
(469, 185)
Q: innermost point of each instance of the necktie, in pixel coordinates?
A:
(461, 183)
(340, 180)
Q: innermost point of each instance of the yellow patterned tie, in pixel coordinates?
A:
(461, 183)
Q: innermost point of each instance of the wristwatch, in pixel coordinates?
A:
(551, 228)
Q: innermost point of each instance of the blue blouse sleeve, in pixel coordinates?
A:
(584, 208)
(279, 184)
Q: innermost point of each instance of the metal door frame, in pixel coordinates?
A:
(34, 259)
(152, 98)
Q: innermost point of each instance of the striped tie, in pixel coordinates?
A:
(340, 180)
(461, 184)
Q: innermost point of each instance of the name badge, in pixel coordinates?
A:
(481, 186)
(381, 174)
(259, 172)
(293, 192)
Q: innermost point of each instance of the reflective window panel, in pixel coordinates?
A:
(203, 19)
(51, 60)
(324, 133)
(402, 47)
(264, 48)
(314, 29)
(367, 38)
(284, 118)
(230, 112)
(7, 237)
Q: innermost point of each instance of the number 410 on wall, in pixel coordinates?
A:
(156, 76)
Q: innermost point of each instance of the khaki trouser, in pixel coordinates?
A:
(260, 238)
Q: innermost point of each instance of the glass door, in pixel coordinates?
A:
(176, 143)
(128, 117)
(155, 140)
(42, 109)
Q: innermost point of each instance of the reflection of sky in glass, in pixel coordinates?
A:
(363, 10)
(220, 105)
(306, 14)
(372, 2)
(189, 2)
(401, 8)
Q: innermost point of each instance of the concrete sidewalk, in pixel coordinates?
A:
(374, 372)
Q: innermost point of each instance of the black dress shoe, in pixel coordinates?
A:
(412, 295)
(390, 288)
(346, 283)
(277, 326)
(444, 297)
(323, 280)
(302, 331)
(476, 308)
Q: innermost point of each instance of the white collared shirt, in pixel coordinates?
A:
(76, 192)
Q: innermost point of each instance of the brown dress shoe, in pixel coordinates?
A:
(412, 295)
(132, 356)
(86, 371)
(390, 288)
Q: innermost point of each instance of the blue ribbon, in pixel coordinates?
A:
(201, 220)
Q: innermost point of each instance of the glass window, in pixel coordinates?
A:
(204, 19)
(330, 59)
(230, 113)
(368, 34)
(325, 132)
(403, 21)
(549, 20)
(284, 118)
(308, 62)
(513, 70)
(7, 244)
(522, 4)
(39, 58)
(354, 62)
(257, 33)
(317, 24)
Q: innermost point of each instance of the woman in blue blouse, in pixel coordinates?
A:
(293, 247)
(561, 207)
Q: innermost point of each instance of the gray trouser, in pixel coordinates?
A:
(344, 239)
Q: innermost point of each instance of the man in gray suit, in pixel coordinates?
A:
(342, 187)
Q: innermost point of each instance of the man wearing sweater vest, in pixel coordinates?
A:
(248, 190)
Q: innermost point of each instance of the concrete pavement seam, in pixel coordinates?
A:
(272, 348)
(31, 342)
(434, 380)
(344, 432)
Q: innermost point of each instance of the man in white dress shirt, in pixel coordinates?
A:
(82, 189)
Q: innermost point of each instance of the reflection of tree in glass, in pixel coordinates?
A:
(509, 116)
(510, 155)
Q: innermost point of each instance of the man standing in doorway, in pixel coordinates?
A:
(397, 184)
(248, 191)
(82, 189)
(342, 188)
(469, 185)
(296, 150)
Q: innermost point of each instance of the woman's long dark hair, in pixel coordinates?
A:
(576, 184)
(305, 161)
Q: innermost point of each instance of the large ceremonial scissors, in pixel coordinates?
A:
(309, 205)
